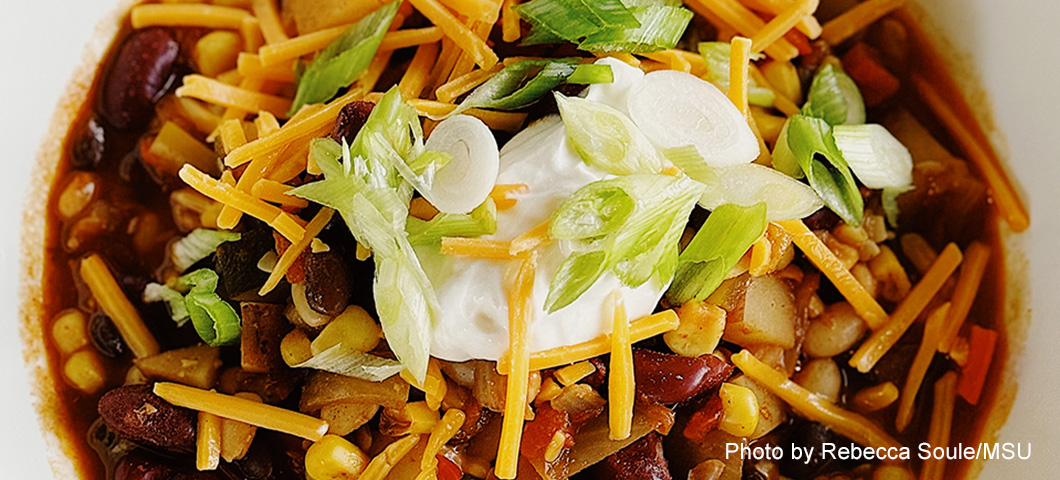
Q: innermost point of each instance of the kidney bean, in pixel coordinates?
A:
(134, 412)
(142, 73)
(136, 466)
(105, 336)
(89, 147)
(351, 119)
(642, 460)
(327, 284)
(670, 379)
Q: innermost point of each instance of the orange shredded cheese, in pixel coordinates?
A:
(312, 125)
(938, 435)
(464, 83)
(530, 239)
(503, 121)
(780, 102)
(510, 28)
(450, 53)
(864, 304)
(1006, 198)
(481, 10)
(840, 28)
(441, 433)
(244, 410)
(271, 28)
(215, 92)
(410, 37)
(208, 442)
(249, 65)
(640, 329)
(253, 39)
(622, 387)
(745, 22)
(672, 60)
(315, 226)
(416, 76)
(460, 34)
(293, 48)
(466, 63)
(276, 192)
(505, 196)
(187, 15)
(739, 58)
(110, 297)
(919, 367)
(242, 201)
(477, 248)
(782, 23)
(975, 260)
(232, 134)
(908, 310)
(515, 399)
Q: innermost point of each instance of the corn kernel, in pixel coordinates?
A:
(959, 351)
(334, 458)
(699, 331)
(84, 371)
(549, 390)
(892, 280)
(572, 374)
(216, 52)
(354, 328)
(413, 418)
(876, 397)
(135, 376)
(555, 446)
(70, 331)
(295, 347)
(739, 410)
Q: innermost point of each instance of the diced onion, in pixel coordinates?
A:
(746, 185)
(675, 109)
(466, 181)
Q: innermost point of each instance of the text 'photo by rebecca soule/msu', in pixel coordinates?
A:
(544, 239)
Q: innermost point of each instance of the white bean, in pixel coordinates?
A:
(834, 331)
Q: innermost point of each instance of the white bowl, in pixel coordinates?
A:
(1010, 50)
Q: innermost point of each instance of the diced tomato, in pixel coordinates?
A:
(448, 470)
(863, 65)
(982, 343)
(704, 421)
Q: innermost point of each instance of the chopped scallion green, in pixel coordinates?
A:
(716, 248)
(214, 319)
(835, 97)
(812, 146)
(606, 138)
(481, 221)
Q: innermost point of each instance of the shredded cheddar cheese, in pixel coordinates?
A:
(418, 73)
(504, 196)
(315, 226)
(519, 368)
(464, 83)
(249, 65)
(530, 239)
(110, 297)
(208, 442)
(242, 201)
(269, 18)
(247, 411)
(510, 28)
(460, 34)
(744, 21)
(477, 248)
(739, 57)
(187, 15)
(782, 23)
(411, 37)
(852, 21)
(621, 387)
(217, 93)
(276, 192)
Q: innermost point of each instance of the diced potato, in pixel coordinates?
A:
(193, 366)
(766, 314)
(325, 388)
(344, 418)
(772, 411)
(699, 331)
(217, 51)
(834, 331)
(236, 436)
(822, 377)
(354, 328)
(263, 327)
(334, 458)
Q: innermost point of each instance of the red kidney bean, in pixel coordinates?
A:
(642, 460)
(670, 379)
(351, 119)
(136, 466)
(143, 71)
(136, 413)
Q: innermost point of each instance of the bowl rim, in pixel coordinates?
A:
(64, 455)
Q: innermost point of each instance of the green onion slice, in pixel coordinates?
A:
(877, 158)
(523, 83)
(197, 245)
(606, 138)
(811, 143)
(834, 97)
(214, 319)
(716, 57)
(481, 221)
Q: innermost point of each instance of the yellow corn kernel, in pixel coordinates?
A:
(433, 387)
(135, 376)
(413, 418)
(354, 328)
(385, 461)
(891, 278)
(216, 52)
(334, 458)
(84, 371)
(295, 347)
(571, 374)
(739, 410)
(699, 331)
(892, 472)
(70, 331)
(555, 446)
(549, 390)
(876, 397)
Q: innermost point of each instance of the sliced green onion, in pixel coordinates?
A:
(783, 160)
(810, 141)
(661, 27)
(605, 138)
(471, 172)
(197, 245)
(214, 319)
(716, 248)
(628, 225)
(481, 221)
(364, 366)
(367, 187)
(569, 20)
(154, 292)
(835, 97)
(716, 57)
(877, 158)
(889, 201)
(523, 83)
(591, 74)
(675, 109)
